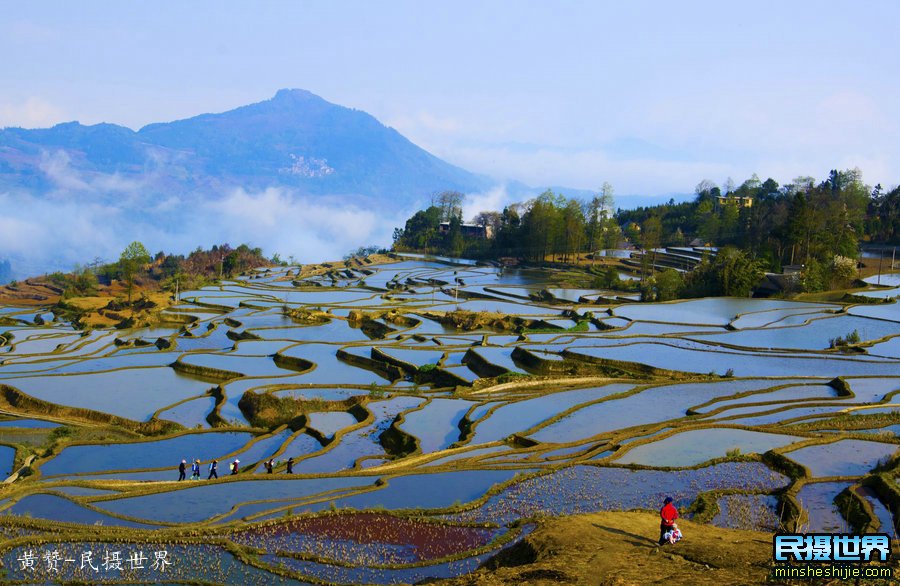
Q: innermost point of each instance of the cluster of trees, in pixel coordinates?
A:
(815, 224)
(364, 251)
(422, 230)
(731, 272)
(166, 271)
(762, 225)
(883, 221)
(549, 226)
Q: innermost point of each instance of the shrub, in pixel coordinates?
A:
(61, 432)
(844, 341)
(843, 271)
(375, 392)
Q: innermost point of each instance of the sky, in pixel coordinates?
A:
(649, 96)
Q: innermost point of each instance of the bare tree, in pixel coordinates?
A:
(490, 220)
(449, 202)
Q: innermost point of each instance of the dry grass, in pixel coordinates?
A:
(620, 549)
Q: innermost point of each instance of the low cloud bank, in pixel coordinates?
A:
(87, 218)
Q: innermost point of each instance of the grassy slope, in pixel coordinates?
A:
(620, 549)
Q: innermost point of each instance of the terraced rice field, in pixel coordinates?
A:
(418, 449)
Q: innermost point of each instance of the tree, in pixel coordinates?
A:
(651, 237)
(704, 188)
(729, 186)
(737, 272)
(131, 260)
(449, 203)
(453, 239)
(421, 229)
(598, 211)
(572, 228)
(607, 199)
(884, 215)
(507, 239)
(731, 273)
(489, 219)
(843, 271)
(541, 226)
(669, 284)
(592, 213)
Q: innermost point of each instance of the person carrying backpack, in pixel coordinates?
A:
(213, 469)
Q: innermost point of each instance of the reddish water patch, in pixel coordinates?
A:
(396, 539)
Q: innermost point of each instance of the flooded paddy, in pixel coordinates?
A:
(437, 423)
(419, 448)
(748, 511)
(694, 447)
(144, 455)
(7, 455)
(823, 515)
(843, 458)
(361, 442)
(580, 489)
(135, 393)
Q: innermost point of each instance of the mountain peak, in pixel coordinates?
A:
(295, 139)
(294, 94)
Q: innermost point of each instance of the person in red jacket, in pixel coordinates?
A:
(667, 515)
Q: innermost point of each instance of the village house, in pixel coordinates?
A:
(470, 230)
(738, 200)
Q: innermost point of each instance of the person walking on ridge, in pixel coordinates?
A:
(290, 465)
(213, 469)
(182, 469)
(235, 466)
(667, 515)
(195, 470)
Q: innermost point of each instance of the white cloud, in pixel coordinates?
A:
(43, 234)
(492, 200)
(40, 235)
(56, 166)
(34, 112)
(309, 228)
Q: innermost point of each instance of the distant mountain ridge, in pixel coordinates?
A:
(296, 139)
(294, 174)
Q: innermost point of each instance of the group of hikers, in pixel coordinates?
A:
(235, 467)
(669, 533)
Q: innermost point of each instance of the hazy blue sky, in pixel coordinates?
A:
(652, 96)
